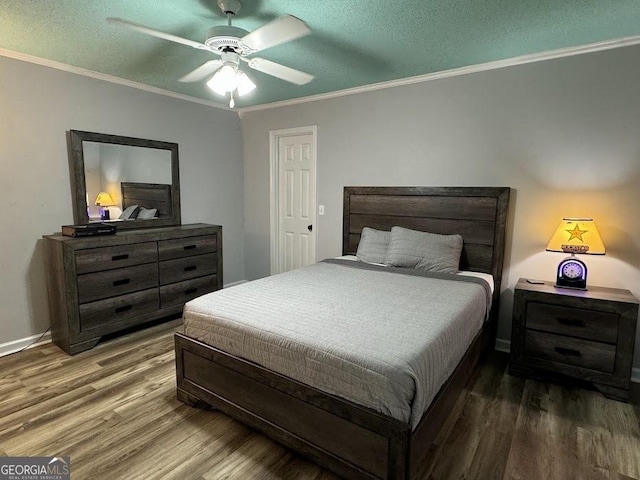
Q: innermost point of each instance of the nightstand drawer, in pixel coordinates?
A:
(589, 324)
(571, 351)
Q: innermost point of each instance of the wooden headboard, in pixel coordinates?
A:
(477, 213)
(147, 195)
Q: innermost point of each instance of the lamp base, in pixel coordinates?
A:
(104, 214)
(572, 273)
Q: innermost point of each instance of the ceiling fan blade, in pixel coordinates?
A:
(281, 30)
(156, 33)
(202, 72)
(280, 71)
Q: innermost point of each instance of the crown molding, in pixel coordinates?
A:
(107, 78)
(456, 72)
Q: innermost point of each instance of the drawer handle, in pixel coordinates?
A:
(124, 256)
(572, 322)
(189, 247)
(567, 351)
(124, 308)
(190, 291)
(124, 281)
(190, 268)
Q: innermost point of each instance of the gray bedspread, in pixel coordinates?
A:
(373, 335)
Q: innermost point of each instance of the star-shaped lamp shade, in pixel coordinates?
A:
(577, 235)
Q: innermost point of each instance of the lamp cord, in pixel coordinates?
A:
(34, 342)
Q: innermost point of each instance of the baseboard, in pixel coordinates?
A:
(22, 343)
(233, 284)
(503, 345)
(16, 345)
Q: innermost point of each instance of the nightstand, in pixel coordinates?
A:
(587, 335)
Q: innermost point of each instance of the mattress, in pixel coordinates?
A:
(382, 337)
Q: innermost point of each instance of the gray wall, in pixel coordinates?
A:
(38, 106)
(562, 133)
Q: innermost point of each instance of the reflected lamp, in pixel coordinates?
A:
(104, 200)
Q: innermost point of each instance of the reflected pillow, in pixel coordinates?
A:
(373, 245)
(425, 251)
(147, 213)
(130, 212)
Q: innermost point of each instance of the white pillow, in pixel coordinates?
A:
(424, 250)
(373, 245)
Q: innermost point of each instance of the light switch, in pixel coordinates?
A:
(320, 209)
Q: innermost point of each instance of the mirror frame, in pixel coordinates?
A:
(79, 187)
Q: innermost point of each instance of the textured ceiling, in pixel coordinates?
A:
(354, 43)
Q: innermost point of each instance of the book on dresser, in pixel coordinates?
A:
(100, 285)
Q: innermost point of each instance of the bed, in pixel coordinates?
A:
(355, 438)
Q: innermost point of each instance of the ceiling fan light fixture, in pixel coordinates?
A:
(224, 80)
(244, 84)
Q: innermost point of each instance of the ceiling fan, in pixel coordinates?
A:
(233, 45)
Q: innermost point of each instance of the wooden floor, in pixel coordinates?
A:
(113, 411)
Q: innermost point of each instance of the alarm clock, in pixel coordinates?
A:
(572, 273)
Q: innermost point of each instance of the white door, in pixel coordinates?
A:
(296, 201)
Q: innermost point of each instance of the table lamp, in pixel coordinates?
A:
(575, 235)
(104, 200)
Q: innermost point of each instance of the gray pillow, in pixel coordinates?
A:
(423, 250)
(147, 213)
(373, 245)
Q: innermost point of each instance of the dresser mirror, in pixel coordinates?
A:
(126, 181)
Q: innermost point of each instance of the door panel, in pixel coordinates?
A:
(297, 202)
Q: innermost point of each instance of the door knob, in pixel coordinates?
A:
(310, 228)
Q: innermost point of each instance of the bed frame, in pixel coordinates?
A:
(351, 440)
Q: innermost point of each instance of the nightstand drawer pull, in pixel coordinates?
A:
(189, 247)
(190, 268)
(572, 322)
(124, 256)
(190, 291)
(124, 308)
(124, 281)
(567, 351)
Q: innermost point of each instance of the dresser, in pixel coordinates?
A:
(104, 284)
(586, 335)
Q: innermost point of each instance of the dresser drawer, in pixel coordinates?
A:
(186, 247)
(189, 267)
(589, 324)
(102, 313)
(111, 283)
(181, 292)
(571, 351)
(107, 258)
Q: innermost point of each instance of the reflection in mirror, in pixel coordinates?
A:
(107, 166)
(130, 182)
